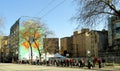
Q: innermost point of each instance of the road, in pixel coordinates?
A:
(26, 67)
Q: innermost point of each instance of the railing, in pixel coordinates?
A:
(110, 57)
(113, 59)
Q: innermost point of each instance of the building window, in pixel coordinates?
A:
(118, 30)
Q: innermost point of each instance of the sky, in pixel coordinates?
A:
(55, 13)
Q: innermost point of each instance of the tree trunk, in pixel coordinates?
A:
(31, 52)
(38, 50)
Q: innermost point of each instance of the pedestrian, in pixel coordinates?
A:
(37, 60)
(94, 61)
(99, 63)
(47, 62)
(103, 62)
(82, 62)
(71, 62)
(90, 64)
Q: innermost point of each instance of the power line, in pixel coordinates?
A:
(45, 7)
(53, 8)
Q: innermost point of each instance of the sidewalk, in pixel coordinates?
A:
(108, 68)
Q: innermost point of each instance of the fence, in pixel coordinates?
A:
(110, 57)
(114, 59)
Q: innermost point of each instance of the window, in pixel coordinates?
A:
(118, 30)
(117, 25)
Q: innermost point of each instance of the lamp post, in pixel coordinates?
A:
(76, 45)
(88, 52)
(16, 56)
(31, 41)
(77, 49)
(45, 47)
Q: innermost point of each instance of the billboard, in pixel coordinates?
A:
(30, 39)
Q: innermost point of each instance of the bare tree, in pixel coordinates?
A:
(51, 46)
(46, 32)
(1, 30)
(94, 12)
(1, 26)
(30, 33)
(33, 31)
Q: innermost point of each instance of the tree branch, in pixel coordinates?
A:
(112, 7)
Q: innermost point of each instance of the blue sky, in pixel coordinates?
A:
(58, 20)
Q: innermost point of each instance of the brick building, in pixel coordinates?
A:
(51, 45)
(84, 43)
(66, 46)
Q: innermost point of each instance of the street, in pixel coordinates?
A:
(26, 67)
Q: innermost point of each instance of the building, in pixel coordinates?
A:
(51, 45)
(81, 43)
(66, 46)
(114, 35)
(0, 47)
(89, 43)
(25, 40)
(14, 41)
(85, 43)
(100, 43)
(5, 49)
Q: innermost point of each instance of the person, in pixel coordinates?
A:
(103, 62)
(37, 60)
(94, 61)
(67, 62)
(79, 63)
(99, 63)
(90, 63)
(47, 62)
(83, 62)
(71, 62)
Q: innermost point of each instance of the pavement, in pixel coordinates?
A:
(27, 67)
(106, 68)
(109, 68)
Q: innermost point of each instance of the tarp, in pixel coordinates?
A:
(52, 56)
(59, 56)
(47, 56)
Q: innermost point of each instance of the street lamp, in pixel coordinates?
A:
(88, 52)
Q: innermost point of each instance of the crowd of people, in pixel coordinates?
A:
(76, 62)
(71, 62)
